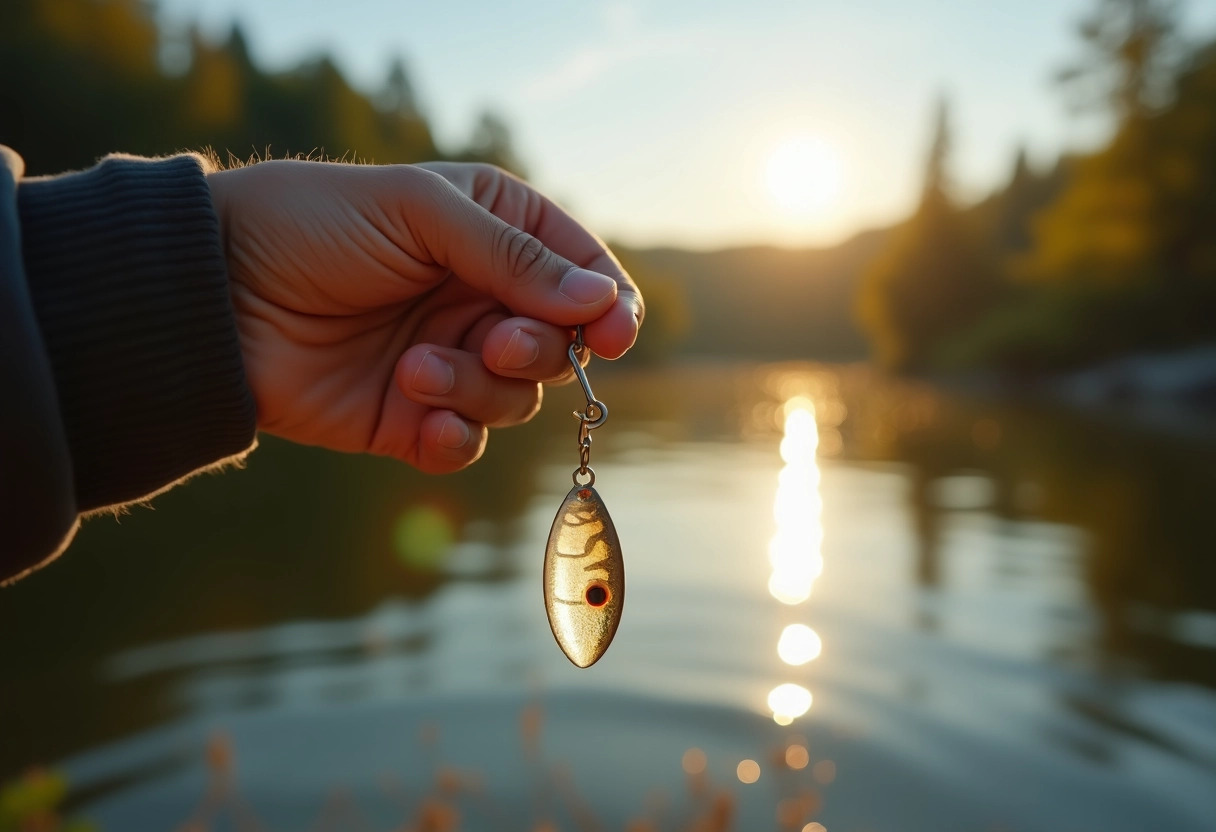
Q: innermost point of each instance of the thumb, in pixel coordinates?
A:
(499, 259)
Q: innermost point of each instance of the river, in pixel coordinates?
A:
(854, 604)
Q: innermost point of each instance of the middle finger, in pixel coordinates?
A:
(526, 348)
(445, 377)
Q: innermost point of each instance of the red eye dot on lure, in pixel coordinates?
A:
(584, 494)
(597, 595)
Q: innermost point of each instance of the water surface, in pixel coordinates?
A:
(902, 609)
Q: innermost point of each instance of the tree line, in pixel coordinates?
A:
(1100, 255)
(83, 78)
(1105, 254)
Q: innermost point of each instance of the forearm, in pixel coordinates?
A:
(128, 285)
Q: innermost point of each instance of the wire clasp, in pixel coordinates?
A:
(591, 417)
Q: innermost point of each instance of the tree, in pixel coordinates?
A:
(491, 142)
(1131, 51)
(1133, 229)
(92, 82)
(1005, 217)
(933, 278)
(398, 95)
(937, 177)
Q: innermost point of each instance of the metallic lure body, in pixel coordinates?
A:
(584, 577)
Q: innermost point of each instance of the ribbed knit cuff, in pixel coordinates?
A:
(128, 280)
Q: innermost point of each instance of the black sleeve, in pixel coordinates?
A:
(120, 351)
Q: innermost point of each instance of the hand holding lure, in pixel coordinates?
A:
(584, 574)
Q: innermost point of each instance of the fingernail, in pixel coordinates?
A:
(582, 286)
(434, 376)
(454, 433)
(521, 351)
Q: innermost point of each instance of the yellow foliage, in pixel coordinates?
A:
(213, 94)
(1101, 231)
(116, 33)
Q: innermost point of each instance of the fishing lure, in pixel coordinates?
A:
(584, 574)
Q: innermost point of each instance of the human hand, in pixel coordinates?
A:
(401, 310)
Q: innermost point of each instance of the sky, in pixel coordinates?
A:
(708, 124)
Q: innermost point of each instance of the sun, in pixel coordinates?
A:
(804, 175)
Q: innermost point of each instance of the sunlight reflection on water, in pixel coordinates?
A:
(798, 644)
(788, 702)
(795, 551)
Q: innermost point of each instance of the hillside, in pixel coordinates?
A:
(766, 302)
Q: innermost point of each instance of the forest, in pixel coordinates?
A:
(90, 77)
(1103, 255)
(1096, 256)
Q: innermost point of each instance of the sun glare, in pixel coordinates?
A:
(804, 175)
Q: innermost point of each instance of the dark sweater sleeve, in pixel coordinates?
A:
(125, 276)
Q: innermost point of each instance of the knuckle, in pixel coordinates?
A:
(485, 169)
(418, 174)
(414, 194)
(419, 185)
(487, 183)
(524, 257)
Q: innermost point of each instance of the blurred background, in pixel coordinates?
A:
(913, 466)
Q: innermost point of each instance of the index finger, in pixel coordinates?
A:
(518, 203)
(612, 334)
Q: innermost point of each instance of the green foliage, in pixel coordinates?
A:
(1127, 246)
(933, 277)
(1004, 221)
(491, 142)
(1162, 171)
(85, 78)
(667, 313)
(1130, 51)
(32, 803)
(1108, 254)
(1070, 326)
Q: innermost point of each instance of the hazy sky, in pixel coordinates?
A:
(655, 121)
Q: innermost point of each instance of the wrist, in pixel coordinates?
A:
(130, 288)
(219, 186)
